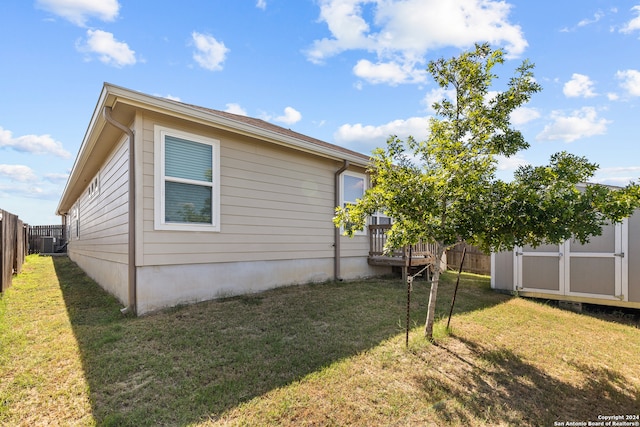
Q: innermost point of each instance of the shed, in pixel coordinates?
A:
(605, 271)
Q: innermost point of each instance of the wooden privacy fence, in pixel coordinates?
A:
(13, 247)
(46, 239)
(475, 261)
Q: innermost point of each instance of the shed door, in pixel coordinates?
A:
(540, 269)
(597, 269)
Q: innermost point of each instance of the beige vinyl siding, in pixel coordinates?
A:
(357, 246)
(103, 217)
(275, 204)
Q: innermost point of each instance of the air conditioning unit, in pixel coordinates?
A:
(48, 245)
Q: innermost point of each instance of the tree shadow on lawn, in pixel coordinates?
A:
(501, 388)
(192, 363)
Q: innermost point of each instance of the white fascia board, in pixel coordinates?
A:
(96, 124)
(186, 112)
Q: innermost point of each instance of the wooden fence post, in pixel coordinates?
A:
(3, 278)
(13, 247)
(8, 243)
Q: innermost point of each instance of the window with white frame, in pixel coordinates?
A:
(187, 181)
(94, 187)
(75, 219)
(352, 188)
(379, 218)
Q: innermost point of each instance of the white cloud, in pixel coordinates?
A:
(392, 72)
(109, 50)
(348, 27)
(261, 4)
(511, 163)
(31, 190)
(401, 32)
(420, 25)
(634, 24)
(34, 144)
(580, 124)
(210, 53)
(523, 115)
(56, 177)
(236, 109)
(19, 173)
(630, 81)
(79, 11)
(438, 95)
(617, 175)
(291, 116)
(596, 17)
(579, 86)
(173, 98)
(418, 127)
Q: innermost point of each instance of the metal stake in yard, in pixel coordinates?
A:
(409, 282)
(409, 289)
(455, 291)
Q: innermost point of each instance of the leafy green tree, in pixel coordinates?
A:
(444, 190)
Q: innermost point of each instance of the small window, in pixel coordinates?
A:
(187, 181)
(379, 218)
(352, 189)
(94, 188)
(75, 219)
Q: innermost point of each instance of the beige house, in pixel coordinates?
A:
(605, 271)
(171, 203)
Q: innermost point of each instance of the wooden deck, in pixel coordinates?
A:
(421, 254)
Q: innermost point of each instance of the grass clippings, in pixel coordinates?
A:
(322, 354)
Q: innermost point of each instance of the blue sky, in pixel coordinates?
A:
(345, 71)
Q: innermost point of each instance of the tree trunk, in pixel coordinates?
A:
(433, 295)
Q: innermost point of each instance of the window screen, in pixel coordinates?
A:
(187, 177)
(187, 167)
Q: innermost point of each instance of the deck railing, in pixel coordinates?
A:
(378, 238)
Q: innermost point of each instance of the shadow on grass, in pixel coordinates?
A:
(192, 363)
(502, 388)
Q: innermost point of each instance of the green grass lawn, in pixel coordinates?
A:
(322, 354)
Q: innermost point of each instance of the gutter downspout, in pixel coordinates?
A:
(336, 230)
(132, 305)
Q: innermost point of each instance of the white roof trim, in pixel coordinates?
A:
(112, 95)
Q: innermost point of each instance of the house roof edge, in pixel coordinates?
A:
(111, 95)
(245, 124)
